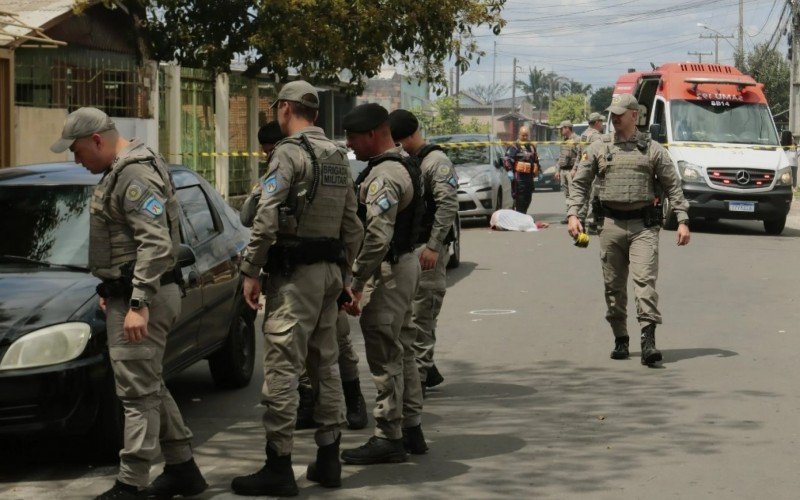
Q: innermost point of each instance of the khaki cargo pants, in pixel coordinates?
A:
(426, 307)
(348, 359)
(300, 332)
(388, 340)
(628, 245)
(151, 416)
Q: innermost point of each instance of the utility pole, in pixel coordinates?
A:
(700, 55)
(794, 90)
(741, 29)
(514, 87)
(494, 81)
(716, 37)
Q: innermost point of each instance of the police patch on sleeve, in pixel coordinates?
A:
(453, 181)
(134, 192)
(270, 185)
(585, 156)
(382, 204)
(152, 207)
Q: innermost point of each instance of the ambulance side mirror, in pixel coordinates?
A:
(786, 138)
(656, 133)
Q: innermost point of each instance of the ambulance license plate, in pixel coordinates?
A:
(741, 206)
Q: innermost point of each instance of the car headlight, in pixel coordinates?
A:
(481, 180)
(784, 177)
(690, 172)
(48, 346)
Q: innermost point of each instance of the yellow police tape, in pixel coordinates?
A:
(479, 144)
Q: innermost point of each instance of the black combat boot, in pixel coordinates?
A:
(275, 479)
(376, 451)
(182, 479)
(621, 348)
(650, 354)
(305, 410)
(433, 377)
(356, 406)
(327, 470)
(414, 440)
(121, 491)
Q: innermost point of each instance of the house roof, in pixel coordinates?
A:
(515, 116)
(469, 101)
(25, 20)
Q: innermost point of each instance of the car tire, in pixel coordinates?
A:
(455, 259)
(670, 217)
(106, 435)
(232, 365)
(557, 188)
(775, 226)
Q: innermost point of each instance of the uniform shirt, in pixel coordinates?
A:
(588, 136)
(290, 164)
(137, 203)
(659, 160)
(386, 191)
(569, 152)
(439, 178)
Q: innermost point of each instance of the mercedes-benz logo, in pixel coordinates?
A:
(742, 177)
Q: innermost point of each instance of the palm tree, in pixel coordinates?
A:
(536, 88)
(579, 88)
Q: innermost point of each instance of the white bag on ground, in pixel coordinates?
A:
(511, 220)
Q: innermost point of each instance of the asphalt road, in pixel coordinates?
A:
(532, 406)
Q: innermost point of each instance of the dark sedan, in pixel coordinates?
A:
(548, 162)
(55, 376)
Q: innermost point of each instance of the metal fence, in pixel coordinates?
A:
(70, 80)
(197, 121)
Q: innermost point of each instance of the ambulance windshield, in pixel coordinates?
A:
(722, 121)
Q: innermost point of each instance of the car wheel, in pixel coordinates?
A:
(670, 218)
(106, 435)
(455, 259)
(775, 226)
(557, 188)
(232, 366)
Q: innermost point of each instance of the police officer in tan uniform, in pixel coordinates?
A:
(568, 161)
(628, 166)
(305, 237)
(433, 251)
(591, 134)
(385, 277)
(133, 249)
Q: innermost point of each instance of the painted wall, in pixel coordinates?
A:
(145, 129)
(36, 129)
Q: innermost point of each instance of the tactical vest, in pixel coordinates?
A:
(111, 241)
(408, 223)
(626, 176)
(315, 205)
(567, 146)
(430, 202)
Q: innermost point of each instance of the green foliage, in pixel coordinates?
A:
(770, 67)
(320, 38)
(443, 119)
(601, 99)
(568, 107)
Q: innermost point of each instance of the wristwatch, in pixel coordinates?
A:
(138, 303)
(684, 222)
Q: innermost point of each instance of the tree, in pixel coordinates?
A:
(444, 119)
(568, 107)
(487, 92)
(768, 66)
(601, 99)
(579, 88)
(320, 39)
(536, 88)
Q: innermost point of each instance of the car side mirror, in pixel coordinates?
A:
(186, 256)
(656, 133)
(786, 138)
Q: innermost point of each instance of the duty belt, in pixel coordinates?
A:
(123, 287)
(650, 214)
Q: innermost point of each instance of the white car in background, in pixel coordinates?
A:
(483, 184)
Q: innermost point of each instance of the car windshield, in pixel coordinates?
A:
(722, 121)
(548, 154)
(46, 223)
(465, 155)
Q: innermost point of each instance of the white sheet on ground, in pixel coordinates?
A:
(511, 220)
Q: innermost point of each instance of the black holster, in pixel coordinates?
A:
(288, 253)
(652, 215)
(598, 211)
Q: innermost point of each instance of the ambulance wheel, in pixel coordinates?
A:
(775, 226)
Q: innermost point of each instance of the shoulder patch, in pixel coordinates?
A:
(382, 204)
(374, 187)
(134, 192)
(270, 185)
(585, 156)
(443, 170)
(152, 206)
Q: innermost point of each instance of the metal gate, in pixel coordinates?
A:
(197, 122)
(6, 103)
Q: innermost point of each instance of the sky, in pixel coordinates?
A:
(595, 41)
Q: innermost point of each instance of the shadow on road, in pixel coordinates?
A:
(459, 273)
(675, 355)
